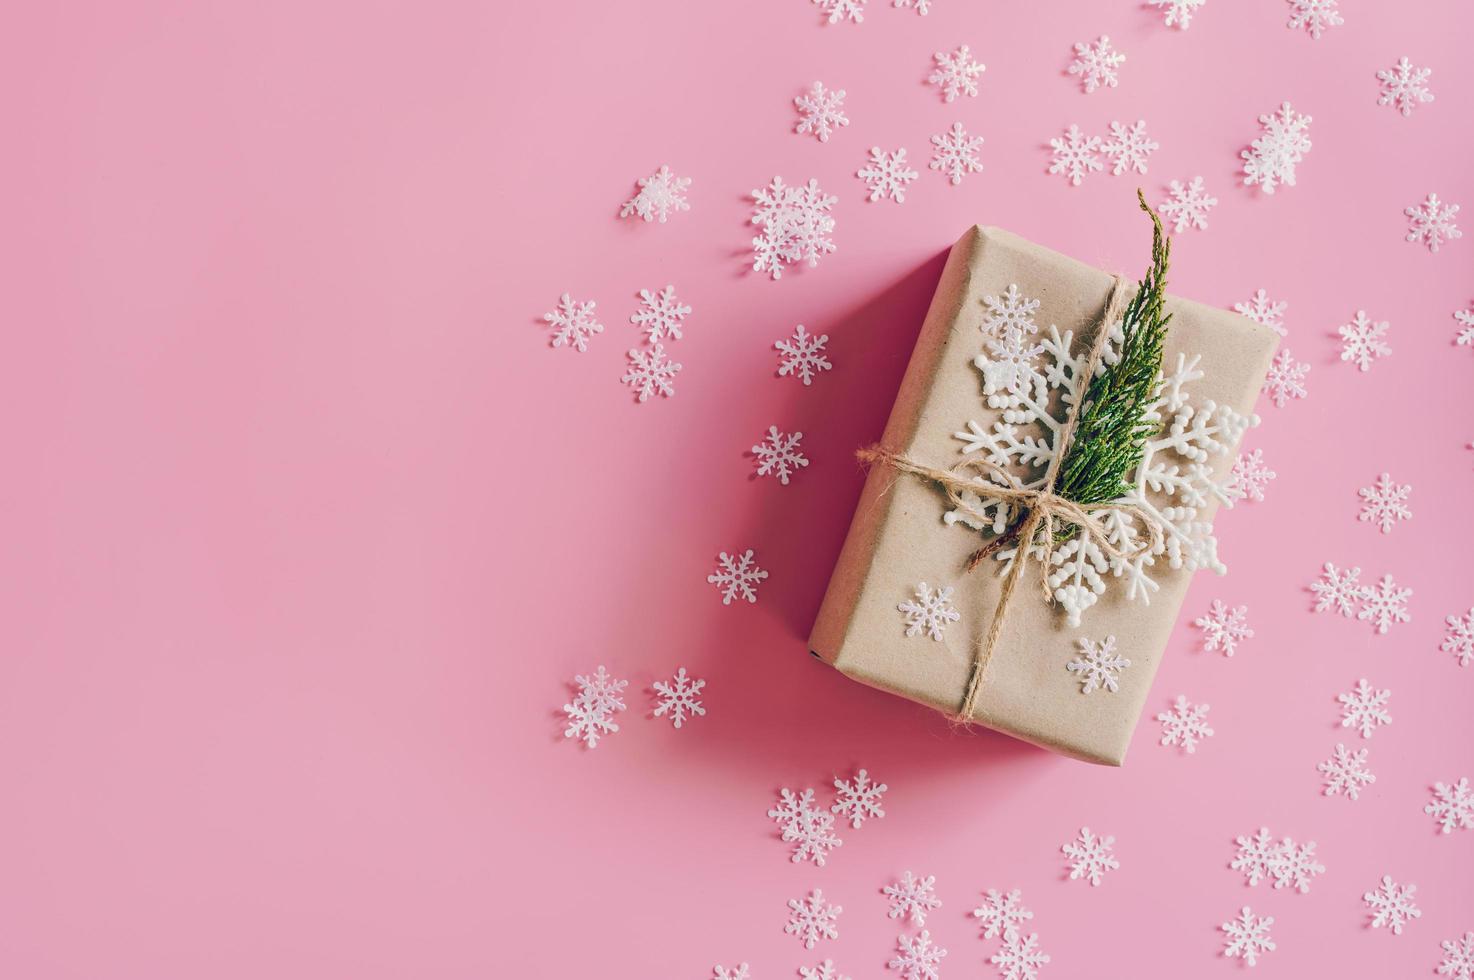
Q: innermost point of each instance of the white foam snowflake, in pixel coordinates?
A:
(1404, 87)
(923, 7)
(1364, 708)
(660, 194)
(824, 971)
(1293, 866)
(1432, 223)
(1097, 63)
(821, 112)
(796, 222)
(1384, 604)
(1338, 590)
(918, 958)
(1178, 12)
(1458, 637)
(1098, 664)
(1187, 206)
(737, 576)
(1249, 476)
(679, 698)
(1248, 936)
(738, 972)
(651, 373)
(1261, 309)
(1392, 905)
(809, 829)
(955, 153)
(1128, 148)
(1314, 16)
(858, 799)
(1452, 806)
(887, 174)
(802, 355)
(1385, 502)
(575, 323)
(912, 898)
(1464, 336)
(660, 315)
(592, 710)
(1022, 392)
(1256, 856)
(1223, 627)
(1185, 725)
(1361, 340)
(1075, 155)
(1346, 772)
(1002, 915)
(1286, 378)
(1019, 958)
(1458, 958)
(837, 10)
(956, 73)
(812, 919)
(1011, 312)
(1272, 158)
(1090, 856)
(778, 454)
(930, 611)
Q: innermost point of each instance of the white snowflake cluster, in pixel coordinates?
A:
(1097, 64)
(1365, 708)
(812, 919)
(887, 174)
(1346, 772)
(1458, 958)
(660, 194)
(802, 355)
(1404, 87)
(1286, 378)
(1090, 856)
(930, 611)
(837, 10)
(592, 710)
(1179, 13)
(1339, 590)
(1452, 806)
(1362, 340)
(1127, 148)
(955, 153)
(821, 112)
(1392, 905)
(1185, 725)
(1002, 917)
(737, 577)
(1248, 936)
(796, 226)
(917, 958)
(1285, 863)
(1262, 310)
(1187, 205)
(1314, 16)
(1272, 158)
(1098, 665)
(1458, 637)
(1223, 627)
(661, 316)
(1432, 223)
(1385, 502)
(810, 828)
(956, 73)
(778, 455)
(1249, 476)
(912, 898)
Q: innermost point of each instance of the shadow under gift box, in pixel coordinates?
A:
(898, 539)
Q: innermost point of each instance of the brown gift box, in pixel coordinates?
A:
(897, 538)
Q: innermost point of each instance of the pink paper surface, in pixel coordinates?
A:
(307, 529)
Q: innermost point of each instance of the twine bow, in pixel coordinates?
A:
(1040, 506)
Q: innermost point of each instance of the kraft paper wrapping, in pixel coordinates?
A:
(898, 539)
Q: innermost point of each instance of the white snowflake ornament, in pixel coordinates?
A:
(1185, 725)
(1384, 604)
(660, 194)
(1404, 87)
(778, 455)
(1286, 378)
(802, 355)
(821, 111)
(912, 898)
(1002, 915)
(1097, 64)
(796, 223)
(1458, 637)
(1187, 206)
(1385, 502)
(1362, 340)
(574, 323)
(1256, 855)
(679, 699)
(1458, 958)
(1338, 590)
(858, 799)
(922, 7)
(1272, 158)
(738, 972)
(651, 373)
(592, 710)
(812, 919)
(956, 73)
(1075, 155)
(1128, 148)
(1261, 309)
(1392, 905)
(1452, 806)
(1432, 223)
(1346, 772)
(1293, 866)
(737, 576)
(808, 829)
(1248, 936)
(955, 153)
(887, 174)
(1090, 856)
(1019, 958)
(1098, 665)
(1314, 16)
(837, 10)
(824, 971)
(1464, 336)
(918, 958)
(1178, 13)
(660, 314)
(930, 611)
(1364, 708)
(1223, 627)
(1249, 476)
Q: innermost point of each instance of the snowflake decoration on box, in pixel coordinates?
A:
(796, 224)
(660, 315)
(1452, 806)
(956, 73)
(659, 195)
(1346, 772)
(651, 373)
(930, 611)
(1364, 708)
(574, 322)
(1361, 340)
(802, 355)
(1384, 604)
(1404, 87)
(1097, 64)
(1262, 310)
(1272, 158)
(912, 898)
(1090, 856)
(1314, 16)
(824, 971)
(739, 972)
(1012, 312)
(1392, 905)
(887, 174)
(1286, 378)
(1249, 476)
(1185, 725)
(858, 799)
(809, 830)
(1338, 590)
(956, 154)
(737, 576)
(918, 958)
(678, 698)
(1458, 958)
(812, 919)
(1432, 223)
(778, 454)
(821, 111)
(1002, 915)
(1019, 958)
(592, 710)
(853, 10)
(1187, 207)
(1075, 155)
(1193, 433)
(1179, 13)
(1458, 637)
(1385, 502)
(1223, 627)
(1098, 664)
(923, 7)
(1261, 858)
(1248, 936)
(1128, 148)
(1464, 336)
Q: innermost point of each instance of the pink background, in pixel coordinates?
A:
(308, 529)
